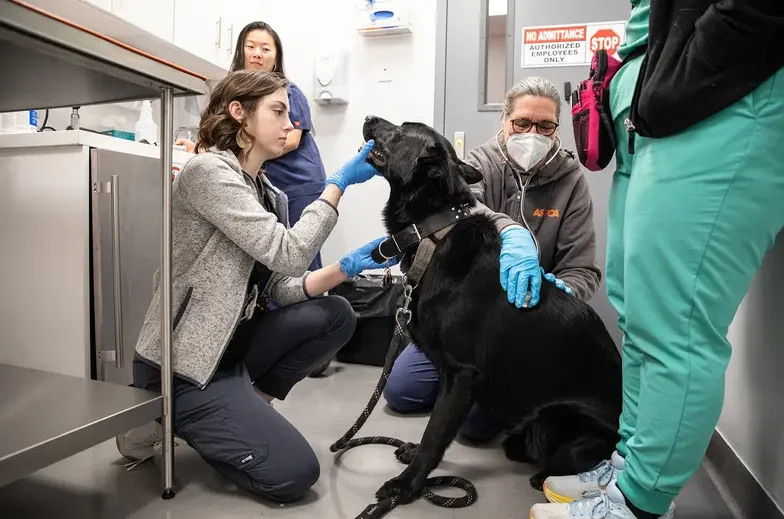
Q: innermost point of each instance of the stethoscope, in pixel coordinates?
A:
(523, 187)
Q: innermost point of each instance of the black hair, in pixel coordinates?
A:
(238, 63)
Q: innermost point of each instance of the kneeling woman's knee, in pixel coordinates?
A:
(341, 315)
(290, 482)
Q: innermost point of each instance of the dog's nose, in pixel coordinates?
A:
(370, 118)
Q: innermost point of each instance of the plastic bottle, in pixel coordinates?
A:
(145, 128)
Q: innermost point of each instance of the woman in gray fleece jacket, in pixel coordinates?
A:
(546, 221)
(232, 251)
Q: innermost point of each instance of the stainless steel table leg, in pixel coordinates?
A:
(166, 145)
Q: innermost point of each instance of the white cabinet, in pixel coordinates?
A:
(236, 14)
(198, 29)
(154, 16)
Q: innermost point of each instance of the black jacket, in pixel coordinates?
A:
(704, 55)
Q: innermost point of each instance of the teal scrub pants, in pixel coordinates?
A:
(690, 218)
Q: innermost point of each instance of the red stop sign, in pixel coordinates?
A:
(605, 39)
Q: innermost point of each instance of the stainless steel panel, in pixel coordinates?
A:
(134, 182)
(45, 417)
(45, 258)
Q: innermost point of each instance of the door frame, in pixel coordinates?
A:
(442, 28)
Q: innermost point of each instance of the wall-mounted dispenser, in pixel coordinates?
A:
(330, 84)
(382, 17)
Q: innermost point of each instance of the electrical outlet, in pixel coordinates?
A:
(384, 74)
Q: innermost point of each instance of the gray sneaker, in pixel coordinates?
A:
(565, 489)
(140, 444)
(607, 505)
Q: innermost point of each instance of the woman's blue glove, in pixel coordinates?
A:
(520, 272)
(558, 283)
(355, 171)
(358, 260)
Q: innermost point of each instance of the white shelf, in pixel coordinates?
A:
(385, 31)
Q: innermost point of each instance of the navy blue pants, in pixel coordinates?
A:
(232, 427)
(413, 387)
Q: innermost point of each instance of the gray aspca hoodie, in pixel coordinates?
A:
(557, 208)
(219, 229)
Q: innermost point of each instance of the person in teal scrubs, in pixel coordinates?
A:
(691, 216)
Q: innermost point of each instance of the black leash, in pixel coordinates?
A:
(381, 508)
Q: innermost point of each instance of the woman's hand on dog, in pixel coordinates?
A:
(521, 276)
(360, 259)
(355, 171)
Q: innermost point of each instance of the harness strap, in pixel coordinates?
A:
(396, 244)
(424, 254)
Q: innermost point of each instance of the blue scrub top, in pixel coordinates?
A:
(299, 172)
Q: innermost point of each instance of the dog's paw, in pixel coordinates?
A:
(405, 453)
(537, 480)
(400, 487)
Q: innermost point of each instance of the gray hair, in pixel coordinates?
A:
(532, 86)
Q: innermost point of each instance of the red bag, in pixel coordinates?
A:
(594, 134)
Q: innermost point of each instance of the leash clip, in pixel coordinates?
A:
(404, 312)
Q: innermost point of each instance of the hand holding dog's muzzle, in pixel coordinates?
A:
(356, 170)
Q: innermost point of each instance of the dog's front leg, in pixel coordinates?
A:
(451, 409)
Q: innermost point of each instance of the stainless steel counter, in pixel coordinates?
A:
(52, 417)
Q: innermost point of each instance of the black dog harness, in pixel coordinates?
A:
(398, 243)
(426, 234)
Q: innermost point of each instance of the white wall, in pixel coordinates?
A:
(306, 26)
(752, 421)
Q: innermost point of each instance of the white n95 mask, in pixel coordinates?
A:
(527, 150)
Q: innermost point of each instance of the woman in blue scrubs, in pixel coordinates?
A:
(298, 172)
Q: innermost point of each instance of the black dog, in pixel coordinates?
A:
(552, 373)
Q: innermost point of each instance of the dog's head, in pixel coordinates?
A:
(422, 168)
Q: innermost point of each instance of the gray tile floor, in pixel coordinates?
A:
(94, 484)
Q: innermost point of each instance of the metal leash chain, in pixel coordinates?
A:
(381, 508)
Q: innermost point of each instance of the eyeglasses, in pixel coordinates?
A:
(545, 128)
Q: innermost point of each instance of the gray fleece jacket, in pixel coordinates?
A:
(219, 229)
(557, 208)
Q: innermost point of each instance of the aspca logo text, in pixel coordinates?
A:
(550, 213)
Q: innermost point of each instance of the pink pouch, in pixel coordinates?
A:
(594, 134)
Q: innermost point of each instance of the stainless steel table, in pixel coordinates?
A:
(46, 417)
(49, 62)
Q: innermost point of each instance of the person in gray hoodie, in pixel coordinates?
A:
(232, 252)
(545, 216)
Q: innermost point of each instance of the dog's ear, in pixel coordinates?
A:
(469, 173)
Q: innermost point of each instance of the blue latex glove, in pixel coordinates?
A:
(359, 259)
(355, 171)
(520, 272)
(558, 283)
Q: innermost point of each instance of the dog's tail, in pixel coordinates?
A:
(578, 430)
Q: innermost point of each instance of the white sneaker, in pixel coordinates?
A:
(607, 505)
(565, 489)
(140, 444)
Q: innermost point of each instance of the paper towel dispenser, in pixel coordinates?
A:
(331, 78)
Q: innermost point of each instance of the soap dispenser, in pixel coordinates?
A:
(146, 129)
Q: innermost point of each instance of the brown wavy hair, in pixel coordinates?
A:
(217, 127)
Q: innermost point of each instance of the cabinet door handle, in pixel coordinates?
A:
(119, 351)
(218, 32)
(231, 41)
